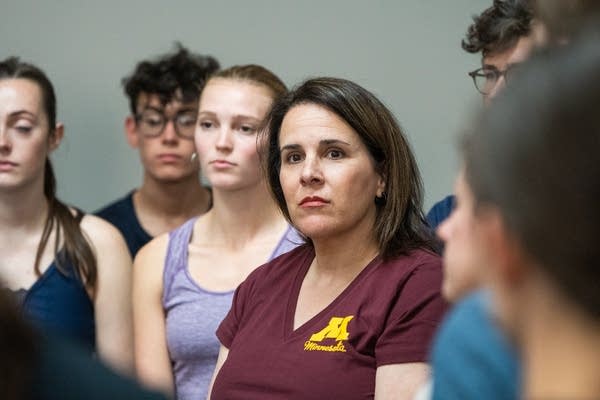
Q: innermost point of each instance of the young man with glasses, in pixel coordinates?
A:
(163, 97)
(503, 35)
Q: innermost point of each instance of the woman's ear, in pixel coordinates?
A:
(380, 185)
(57, 136)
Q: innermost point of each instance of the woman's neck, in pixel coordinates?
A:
(345, 253)
(238, 216)
(23, 209)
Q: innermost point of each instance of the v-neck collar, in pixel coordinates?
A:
(290, 312)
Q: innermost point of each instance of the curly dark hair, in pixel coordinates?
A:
(499, 27)
(180, 70)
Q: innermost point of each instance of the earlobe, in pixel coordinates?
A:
(131, 131)
(381, 187)
(57, 136)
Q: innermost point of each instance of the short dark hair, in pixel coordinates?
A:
(499, 27)
(535, 157)
(165, 76)
(399, 224)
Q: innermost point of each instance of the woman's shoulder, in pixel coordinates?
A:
(419, 258)
(418, 269)
(281, 266)
(154, 250)
(101, 234)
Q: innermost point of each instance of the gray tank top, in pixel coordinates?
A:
(193, 314)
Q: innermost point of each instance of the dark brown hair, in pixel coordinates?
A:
(399, 224)
(76, 247)
(534, 156)
(254, 74)
(499, 27)
(18, 349)
(178, 71)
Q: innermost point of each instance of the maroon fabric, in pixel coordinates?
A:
(387, 315)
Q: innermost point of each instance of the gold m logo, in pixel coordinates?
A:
(337, 329)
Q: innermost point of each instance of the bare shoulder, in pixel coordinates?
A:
(100, 232)
(149, 261)
(108, 245)
(153, 250)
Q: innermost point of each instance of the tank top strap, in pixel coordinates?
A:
(177, 254)
(290, 240)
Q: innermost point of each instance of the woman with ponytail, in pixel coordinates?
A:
(70, 272)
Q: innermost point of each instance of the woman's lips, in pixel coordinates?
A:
(221, 163)
(313, 201)
(7, 165)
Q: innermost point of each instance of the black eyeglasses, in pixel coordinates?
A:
(152, 123)
(486, 78)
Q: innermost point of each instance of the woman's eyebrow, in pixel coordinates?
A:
(290, 147)
(333, 141)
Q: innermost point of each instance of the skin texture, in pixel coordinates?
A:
(25, 142)
(462, 268)
(230, 114)
(232, 235)
(323, 156)
(24, 134)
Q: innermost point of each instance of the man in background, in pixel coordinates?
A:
(163, 97)
(502, 34)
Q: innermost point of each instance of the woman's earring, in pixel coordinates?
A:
(380, 199)
(194, 157)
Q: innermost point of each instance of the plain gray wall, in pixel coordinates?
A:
(405, 51)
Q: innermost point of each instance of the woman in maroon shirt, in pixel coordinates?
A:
(350, 314)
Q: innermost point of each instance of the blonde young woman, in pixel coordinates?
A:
(69, 272)
(184, 281)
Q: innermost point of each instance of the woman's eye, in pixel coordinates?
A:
(293, 158)
(206, 124)
(23, 128)
(335, 154)
(247, 129)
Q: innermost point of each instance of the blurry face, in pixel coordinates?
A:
(463, 258)
(327, 174)
(230, 113)
(166, 157)
(505, 60)
(24, 139)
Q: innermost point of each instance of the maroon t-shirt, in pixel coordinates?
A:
(387, 315)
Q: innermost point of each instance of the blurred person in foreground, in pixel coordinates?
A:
(532, 171)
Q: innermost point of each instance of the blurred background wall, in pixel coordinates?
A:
(405, 51)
